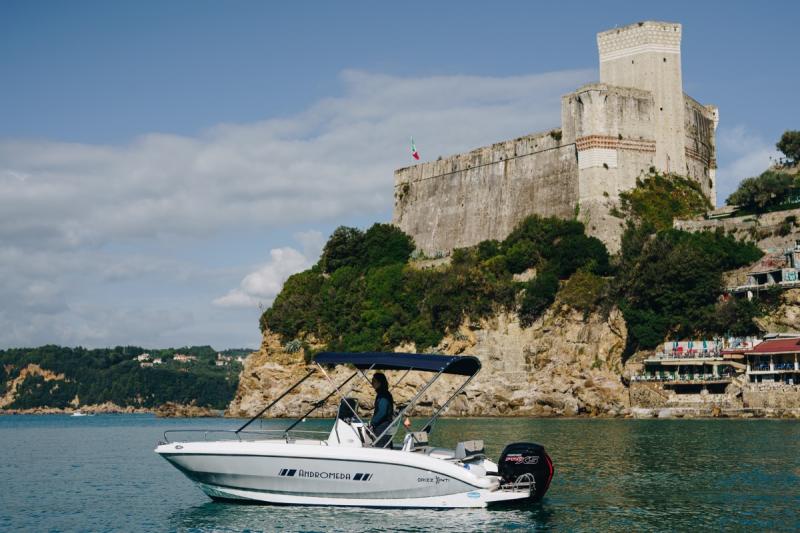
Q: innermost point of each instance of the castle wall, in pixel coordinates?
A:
(700, 125)
(464, 199)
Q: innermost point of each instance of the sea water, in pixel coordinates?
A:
(99, 473)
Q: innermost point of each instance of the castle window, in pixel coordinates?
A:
(665, 60)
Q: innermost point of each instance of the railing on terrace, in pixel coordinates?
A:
(683, 377)
(776, 366)
(710, 353)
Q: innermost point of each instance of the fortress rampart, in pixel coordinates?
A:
(468, 198)
(611, 133)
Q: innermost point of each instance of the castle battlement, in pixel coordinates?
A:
(612, 131)
(642, 37)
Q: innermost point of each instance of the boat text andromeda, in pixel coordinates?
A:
(346, 467)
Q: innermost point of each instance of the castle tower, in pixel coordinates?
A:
(647, 56)
(612, 133)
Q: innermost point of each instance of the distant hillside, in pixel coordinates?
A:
(125, 376)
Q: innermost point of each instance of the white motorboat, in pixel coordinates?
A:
(345, 467)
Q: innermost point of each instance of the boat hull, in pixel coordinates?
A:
(281, 473)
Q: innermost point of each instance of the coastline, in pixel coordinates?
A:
(168, 410)
(635, 413)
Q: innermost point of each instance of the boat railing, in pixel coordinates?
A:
(248, 435)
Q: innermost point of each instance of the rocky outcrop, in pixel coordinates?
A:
(565, 364)
(786, 317)
(177, 410)
(13, 385)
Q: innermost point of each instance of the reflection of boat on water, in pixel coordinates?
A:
(346, 466)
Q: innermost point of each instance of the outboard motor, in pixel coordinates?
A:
(521, 461)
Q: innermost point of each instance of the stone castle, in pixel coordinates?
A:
(612, 132)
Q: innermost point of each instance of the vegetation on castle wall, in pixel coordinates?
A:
(658, 199)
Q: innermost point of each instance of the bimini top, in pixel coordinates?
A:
(464, 365)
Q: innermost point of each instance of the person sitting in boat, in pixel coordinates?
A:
(384, 410)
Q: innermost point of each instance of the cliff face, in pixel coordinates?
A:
(786, 317)
(13, 385)
(564, 364)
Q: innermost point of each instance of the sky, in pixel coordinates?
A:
(165, 165)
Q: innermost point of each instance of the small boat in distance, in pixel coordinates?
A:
(347, 466)
(79, 413)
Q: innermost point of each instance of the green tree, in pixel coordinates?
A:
(385, 244)
(789, 144)
(345, 247)
(762, 192)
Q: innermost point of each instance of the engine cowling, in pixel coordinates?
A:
(520, 460)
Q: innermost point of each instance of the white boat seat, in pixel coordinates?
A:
(469, 449)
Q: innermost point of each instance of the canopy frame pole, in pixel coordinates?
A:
(429, 424)
(403, 411)
(279, 398)
(316, 406)
(401, 379)
(341, 397)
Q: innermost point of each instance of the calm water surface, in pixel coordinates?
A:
(100, 474)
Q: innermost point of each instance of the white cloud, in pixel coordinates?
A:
(264, 284)
(333, 159)
(744, 154)
(75, 218)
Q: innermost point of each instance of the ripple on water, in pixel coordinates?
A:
(639, 475)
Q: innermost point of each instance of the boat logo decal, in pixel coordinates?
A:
(522, 459)
(433, 479)
(299, 472)
(473, 494)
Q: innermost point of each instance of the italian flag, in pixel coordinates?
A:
(414, 152)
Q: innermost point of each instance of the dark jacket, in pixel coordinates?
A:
(384, 410)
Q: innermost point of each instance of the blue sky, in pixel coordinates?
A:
(165, 165)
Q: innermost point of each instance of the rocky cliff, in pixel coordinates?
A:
(564, 364)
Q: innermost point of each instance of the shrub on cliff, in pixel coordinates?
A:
(584, 291)
(539, 294)
(658, 199)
